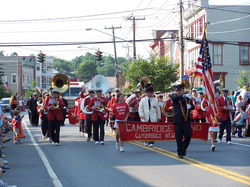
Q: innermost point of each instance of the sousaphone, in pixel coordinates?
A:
(60, 82)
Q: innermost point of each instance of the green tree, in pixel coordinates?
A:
(244, 78)
(14, 54)
(160, 70)
(31, 90)
(63, 65)
(86, 70)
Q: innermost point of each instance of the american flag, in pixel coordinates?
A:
(6, 87)
(204, 71)
(126, 85)
(38, 88)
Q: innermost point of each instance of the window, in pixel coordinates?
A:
(196, 28)
(217, 54)
(13, 78)
(38, 68)
(244, 54)
(28, 78)
(23, 77)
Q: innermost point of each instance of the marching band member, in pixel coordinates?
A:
(212, 129)
(43, 116)
(121, 112)
(33, 109)
(161, 102)
(108, 97)
(133, 103)
(224, 114)
(88, 116)
(182, 123)
(205, 105)
(169, 106)
(64, 110)
(197, 111)
(194, 94)
(54, 106)
(97, 105)
(111, 117)
(149, 109)
(78, 112)
(81, 117)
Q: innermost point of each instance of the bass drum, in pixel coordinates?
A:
(73, 119)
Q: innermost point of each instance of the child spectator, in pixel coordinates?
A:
(121, 112)
(16, 125)
(239, 121)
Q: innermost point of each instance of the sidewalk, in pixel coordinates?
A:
(26, 167)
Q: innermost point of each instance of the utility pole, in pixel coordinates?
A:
(127, 53)
(181, 40)
(133, 18)
(116, 65)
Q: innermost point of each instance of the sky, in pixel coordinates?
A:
(66, 21)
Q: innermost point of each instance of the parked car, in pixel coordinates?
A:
(6, 104)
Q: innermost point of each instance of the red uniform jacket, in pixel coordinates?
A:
(96, 113)
(77, 108)
(197, 112)
(167, 106)
(54, 113)
(224, 114)
(133, 103)
(81, 114)
(109, 108)
(86, 103)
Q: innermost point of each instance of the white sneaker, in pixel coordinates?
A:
(96, 142)
(86, 135)
(151, 145)
(121, 149)
(3, 156)
(145, 143)
(4, 161)
(56, 144)
(53, 143)
(102, 142)
(81, 133)
(117, 145)
(50, 140)
(228, 142)
(212, 147)
(219, 140)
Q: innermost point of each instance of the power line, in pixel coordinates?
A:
(74, 17)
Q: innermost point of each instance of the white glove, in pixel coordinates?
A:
(188, 106)
(189, 96)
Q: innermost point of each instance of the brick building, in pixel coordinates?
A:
(19, 72)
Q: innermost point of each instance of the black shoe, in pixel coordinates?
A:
(180, 156)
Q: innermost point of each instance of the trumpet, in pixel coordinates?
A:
(101, 108)
(56, 104)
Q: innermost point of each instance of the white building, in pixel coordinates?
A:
(44, 73)
(227, 31)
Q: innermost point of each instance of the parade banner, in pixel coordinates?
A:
(154, 131)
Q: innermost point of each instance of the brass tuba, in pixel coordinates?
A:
(60, 82)
(167, 114)
(39, 102)
(143, 81)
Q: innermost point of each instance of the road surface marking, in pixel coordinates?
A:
(226, 173)
(52, 174)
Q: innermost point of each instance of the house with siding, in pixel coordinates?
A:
(228, 33)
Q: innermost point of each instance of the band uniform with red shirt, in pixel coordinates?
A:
(224, 114)
(55, 116)
(169, 106)
(97, 105)
(121, 113)
(161, 102)
(110, 116)
(43, 115)
(134, 105)
(89, 122)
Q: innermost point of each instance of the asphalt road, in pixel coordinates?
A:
(77, 163)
